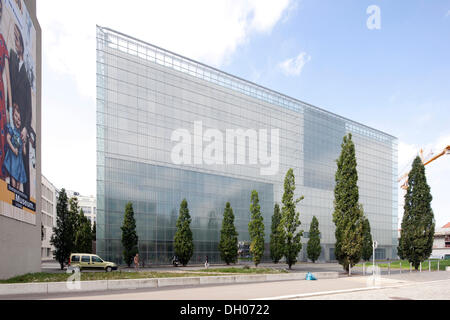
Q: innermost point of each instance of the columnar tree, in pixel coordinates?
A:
(348, 213)
(63, 234)
(417, 230)
(290, 222)
(367, 250)
(83, 234)
(228, 245)
(94, 232)
(313, 248)
(256, 229)
(129, 235)
(183, 242)
(276, 239)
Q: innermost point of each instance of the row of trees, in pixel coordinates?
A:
(285, 237)
(353, 238)
(353, 235)
(73, 231)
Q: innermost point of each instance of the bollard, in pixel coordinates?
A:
(421, 267)
(438, 265)
(429, 265)
(410, 267)
(389, 268)
(400, 268)
(364, 269)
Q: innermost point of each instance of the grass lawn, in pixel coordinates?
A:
(89, 276)
(405, 264)
(244, 270)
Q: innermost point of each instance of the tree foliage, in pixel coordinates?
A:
(94, 232)
(129, 235)
(313, 248)
(348, 213)
(367, 250)
(63, 234)
(256, 229)
(183, 241)
(417, 230)
(83, 234)
(276, 239)
(290, 222)
(228, 245)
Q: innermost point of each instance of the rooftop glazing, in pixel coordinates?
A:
(149, 52)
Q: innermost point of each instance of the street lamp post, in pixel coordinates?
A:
(375, 245)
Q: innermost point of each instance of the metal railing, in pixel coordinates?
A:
(400, 268)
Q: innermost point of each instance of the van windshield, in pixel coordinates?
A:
(96, 259)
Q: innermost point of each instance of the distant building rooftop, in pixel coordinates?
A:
(444, 231)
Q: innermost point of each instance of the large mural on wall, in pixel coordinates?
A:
(17, 112)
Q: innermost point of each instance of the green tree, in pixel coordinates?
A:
(183, 241)
(256, 229)
(129, 235)
(83, 234)
(74, 210)
(367, 249)
(290, 222)
(228, 245)
(417, 230)
(276, 239)
(348, 213)
(63, 234)
(313, 248)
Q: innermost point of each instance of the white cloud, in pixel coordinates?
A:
(209, 31)
(448, 13)
(438, 174)
(294, 66)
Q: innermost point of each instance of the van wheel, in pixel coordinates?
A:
(108, 269)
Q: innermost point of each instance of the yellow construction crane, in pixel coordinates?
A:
(425, 163)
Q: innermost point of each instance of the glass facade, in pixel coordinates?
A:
(146, 94)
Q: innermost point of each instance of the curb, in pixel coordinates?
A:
(132, 284)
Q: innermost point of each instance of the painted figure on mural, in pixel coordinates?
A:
(21, 95)
(13, 163)
(5, 96)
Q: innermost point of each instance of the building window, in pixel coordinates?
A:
(380, 254)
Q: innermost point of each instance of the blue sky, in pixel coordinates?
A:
(395, 79)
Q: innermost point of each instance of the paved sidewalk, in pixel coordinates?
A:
(420, 290)
(354, 287)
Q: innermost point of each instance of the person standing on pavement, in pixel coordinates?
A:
(206, 263)
(136, 261)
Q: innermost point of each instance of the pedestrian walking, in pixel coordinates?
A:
(136, 261)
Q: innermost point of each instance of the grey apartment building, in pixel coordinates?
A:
(170, 128)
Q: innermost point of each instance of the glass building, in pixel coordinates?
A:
(148, 98)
